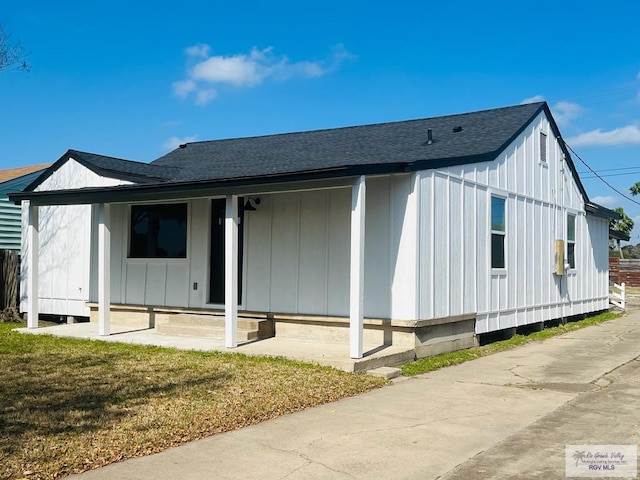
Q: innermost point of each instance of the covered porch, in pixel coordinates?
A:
(105, 200)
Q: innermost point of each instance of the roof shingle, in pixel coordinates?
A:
(481, 135)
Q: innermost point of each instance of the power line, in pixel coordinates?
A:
(609, 175)
(597, 175)
(613, 169)
(605, 96)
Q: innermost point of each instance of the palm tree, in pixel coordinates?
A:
(579, 456)
(623, 225)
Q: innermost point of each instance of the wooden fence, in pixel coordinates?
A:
(9, 278)
(625, 270)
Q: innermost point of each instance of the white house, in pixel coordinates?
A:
(419, 233)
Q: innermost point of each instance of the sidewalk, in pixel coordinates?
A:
(421, 427)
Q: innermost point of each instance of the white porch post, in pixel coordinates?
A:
(33, 230)
(104, 268)
(356, 299)
(231, 272)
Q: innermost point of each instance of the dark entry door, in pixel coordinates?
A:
(216, 262)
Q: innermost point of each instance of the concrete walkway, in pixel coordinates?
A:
(333, 354)
(428, 426)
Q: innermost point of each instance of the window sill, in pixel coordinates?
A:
(498, 272)
(155, 259)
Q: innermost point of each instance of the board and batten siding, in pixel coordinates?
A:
(65, 245)
(455, 234)
(153, 281)
(296, 255)
(297, 251)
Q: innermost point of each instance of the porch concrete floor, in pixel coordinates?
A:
(323, 353)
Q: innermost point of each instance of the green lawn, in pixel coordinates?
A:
(436, 362)
(67, 406)
(72, 405)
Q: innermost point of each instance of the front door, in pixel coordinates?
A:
(216, 262)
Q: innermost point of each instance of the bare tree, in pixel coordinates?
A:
(12, 55)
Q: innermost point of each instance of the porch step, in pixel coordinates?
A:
(206, 331)
(210, 321)
(212, 326)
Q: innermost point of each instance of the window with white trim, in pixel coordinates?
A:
(498, 232)
(571, 240)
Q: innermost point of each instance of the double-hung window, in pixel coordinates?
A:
(571, 240)
(498, 232)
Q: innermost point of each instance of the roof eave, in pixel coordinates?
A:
(103, 172)
(198, 188)
(614, 234)
(600, 211)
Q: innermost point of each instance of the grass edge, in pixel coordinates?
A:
(436, 362)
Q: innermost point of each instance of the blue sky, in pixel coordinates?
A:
(134, 79)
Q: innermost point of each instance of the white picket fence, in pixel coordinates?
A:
(618, 295)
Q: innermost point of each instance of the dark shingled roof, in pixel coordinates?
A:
(316, 155)
(457, 139)
(136, 172)
(395, 146)
(124, 169)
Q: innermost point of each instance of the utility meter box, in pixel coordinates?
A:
(559, 258)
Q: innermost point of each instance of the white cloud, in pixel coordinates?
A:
(206, 74)
(174, 142)
(534, 99)
(629, 135)
(198, 50)
(606, 201)
(205, 95)
(237, 70)
(183, 88)
(564, 112)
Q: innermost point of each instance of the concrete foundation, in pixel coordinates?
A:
(424, 337)
(448, 336)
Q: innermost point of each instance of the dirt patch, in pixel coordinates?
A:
(633, 297)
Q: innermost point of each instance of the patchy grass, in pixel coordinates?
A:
(68, 406)
(436, 362)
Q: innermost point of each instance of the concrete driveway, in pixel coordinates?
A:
(508, 415)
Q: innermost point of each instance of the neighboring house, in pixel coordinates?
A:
(616, 237)
(12, 181)
(410, 233)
